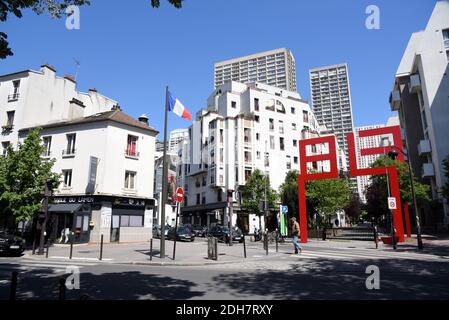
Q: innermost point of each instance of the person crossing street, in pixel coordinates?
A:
(295, 236)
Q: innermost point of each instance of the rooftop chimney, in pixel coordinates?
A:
(93, 89)
(70, 77)
(144, 119)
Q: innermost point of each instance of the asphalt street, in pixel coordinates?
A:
(320, 272)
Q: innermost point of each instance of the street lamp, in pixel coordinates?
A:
(393, 154)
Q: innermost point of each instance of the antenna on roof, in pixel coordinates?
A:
(78, 66)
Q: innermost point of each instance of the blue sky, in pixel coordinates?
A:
(130, 52)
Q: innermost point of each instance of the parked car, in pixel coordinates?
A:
(183, 233)
(199, 230)
(157, 231)
(11, 245)
(223, 233)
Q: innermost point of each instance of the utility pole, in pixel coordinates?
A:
(164, 180)
(265, 204)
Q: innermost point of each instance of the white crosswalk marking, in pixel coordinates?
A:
(29, 264)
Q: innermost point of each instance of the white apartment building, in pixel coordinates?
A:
(176, 138)
(331, 101)
(104, 156)
(275, 67)
(421, 96)
(229, 140)
(366, 161)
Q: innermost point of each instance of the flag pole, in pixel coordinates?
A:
(163, 201)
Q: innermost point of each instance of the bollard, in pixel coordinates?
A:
(244, 246)
(101, 248)
(216, 248)
(46, 252)
(277, 240)
(13, 288)
(265, 239)
(151, 249)
(376, 237)
(62, 288)
(34, 246)
(324, 234)
(71, 249)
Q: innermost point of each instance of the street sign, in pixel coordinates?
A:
(179, 194)
(391, 203)
(284, 209)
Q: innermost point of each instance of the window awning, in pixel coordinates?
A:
(65, 207)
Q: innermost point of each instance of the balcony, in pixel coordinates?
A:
(395, 100)
(7, 127)
(427, 170)
(415, 83)
(68, 153)
(424, 147)
(13, 97)
(132, 154)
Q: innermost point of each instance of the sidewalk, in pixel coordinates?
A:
(187, 253)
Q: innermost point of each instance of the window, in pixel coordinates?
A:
(236, 174)
(247, 135)
(257, 119)
(446, 38)
(221, 155)
(256, 104)
(281, 144)
(248, 157)
(221, 135)
(198, 197)
(271, 122)
(447, 54)
(131, 147)
(247, 173)
(294, 126)
(272, 146)
(289, 162)
(267, 159)
(204, 181)
(257, 136)
(131, 221)
(258, 155)
(293, 110)
(15, 95)
(305, 116)
(47, 146)
(5, 146)
(71, 141)
(219, 196)
(203, 198)
(281, 127)
(67, 176)
(295, 160)
(10, 115)
(295, 143)
(233, 104)
(130, 180)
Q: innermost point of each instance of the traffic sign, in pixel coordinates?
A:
(179, 194)
(391, 203)
(284, 209)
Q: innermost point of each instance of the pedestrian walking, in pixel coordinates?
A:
(295, 236)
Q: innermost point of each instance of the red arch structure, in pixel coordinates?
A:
(331, 158)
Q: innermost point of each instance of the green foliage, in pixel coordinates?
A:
(329, 195)
(23, 174)
(176, 3)
(446, 174)
(289, 193)
(254, 190)
(353, 210)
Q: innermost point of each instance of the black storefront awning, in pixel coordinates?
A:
(65, 207)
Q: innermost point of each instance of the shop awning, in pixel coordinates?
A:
(64, 207)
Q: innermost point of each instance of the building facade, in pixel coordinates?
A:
(276, 68)
(176, 138)
(104, 157)
(421, 96)
(243, 128)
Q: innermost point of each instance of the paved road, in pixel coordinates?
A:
(321, 272)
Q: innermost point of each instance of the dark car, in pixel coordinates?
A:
(157, 231)
(11, 245)
(183, 233)
(223, 233)
(199, 230)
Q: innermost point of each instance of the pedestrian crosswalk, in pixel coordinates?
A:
(27, 264)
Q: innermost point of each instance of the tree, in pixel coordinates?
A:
(377, 192)
(289, 193)
(446, 174)
(328, 196)
(56, 8)
(353, 210)
(253, 194)
(23, 175)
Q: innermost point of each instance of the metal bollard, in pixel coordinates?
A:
(46, 252)
(62, 288)
(101, 248)
(151, 249)
(277, 240)
(376, 237)
(244, 246)
(13, 288)
(71, 249)
(216, 248)
(265, 239)
(324, 234)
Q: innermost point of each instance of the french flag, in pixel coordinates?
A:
(177, 107)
